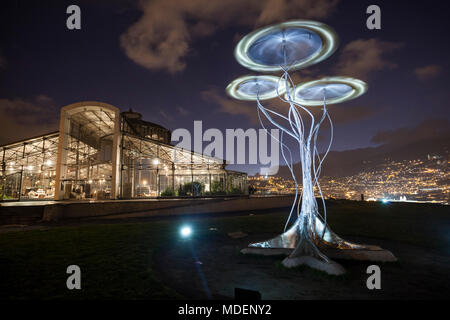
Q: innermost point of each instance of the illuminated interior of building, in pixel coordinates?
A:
(100, 153)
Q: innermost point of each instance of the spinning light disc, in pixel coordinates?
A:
(248, 87)
(336, 90)
(295, 44)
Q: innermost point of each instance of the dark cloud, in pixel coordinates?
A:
(341, 114)
(361, 57)
(426, 130)
(182, 111)
(427, 72)
(24, 118)
(231, 106)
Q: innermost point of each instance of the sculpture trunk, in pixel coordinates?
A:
(308, 207)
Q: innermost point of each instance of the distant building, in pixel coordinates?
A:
(100, 153)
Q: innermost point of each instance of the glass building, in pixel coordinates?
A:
(101, 153)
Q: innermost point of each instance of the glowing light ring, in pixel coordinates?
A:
(233, 89)
(327, 91)
(328, 36)
(285, 47)
(358, 88)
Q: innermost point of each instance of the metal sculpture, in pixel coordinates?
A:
(285, 47)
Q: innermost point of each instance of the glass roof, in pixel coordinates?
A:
(99, 123)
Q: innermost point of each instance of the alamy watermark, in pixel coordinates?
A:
(74, 280)
(374, 280)
(374, 20)
(239, 146)
(73, 21)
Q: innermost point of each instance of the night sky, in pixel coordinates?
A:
(171, 61)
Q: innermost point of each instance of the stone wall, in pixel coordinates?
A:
(20, 214)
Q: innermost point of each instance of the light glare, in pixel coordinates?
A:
(185, 231)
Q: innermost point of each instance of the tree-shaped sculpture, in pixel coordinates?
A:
(283, 48)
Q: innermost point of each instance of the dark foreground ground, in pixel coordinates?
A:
(147, 259)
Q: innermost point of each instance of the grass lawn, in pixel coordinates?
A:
(117, 260)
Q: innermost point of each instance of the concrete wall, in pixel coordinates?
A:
(21, 215)
(143, 208)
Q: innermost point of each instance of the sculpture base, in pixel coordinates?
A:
(317, 254)
(267, 251)
(369, 253)
(329, 267)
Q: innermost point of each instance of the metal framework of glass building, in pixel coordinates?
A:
(101, 153)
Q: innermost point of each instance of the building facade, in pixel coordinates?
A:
(100, 153)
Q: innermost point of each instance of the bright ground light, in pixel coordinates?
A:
(185, 231)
